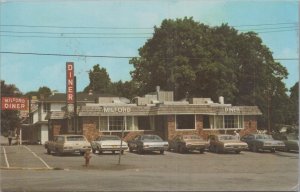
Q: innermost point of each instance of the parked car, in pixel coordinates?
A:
(226, 143)
(68, 144)
(291, 141)
(183, 143)
(143, 143)
(108, 143)
(258, 142)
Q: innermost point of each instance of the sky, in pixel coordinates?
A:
(120, 28)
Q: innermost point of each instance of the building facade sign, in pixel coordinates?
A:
(70, 82)
(232, 109)
(14, 103)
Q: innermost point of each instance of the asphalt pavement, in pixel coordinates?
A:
(32, 169)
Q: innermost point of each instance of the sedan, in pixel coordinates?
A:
(291, 141)
(226, 143)
(143, 143)
(258, 142)
(108, 143)
(183, 143)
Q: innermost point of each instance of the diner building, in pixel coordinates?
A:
(154, 113)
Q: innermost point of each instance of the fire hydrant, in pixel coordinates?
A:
(87, 157)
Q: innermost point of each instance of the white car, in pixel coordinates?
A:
(108, 143)
(68, 144)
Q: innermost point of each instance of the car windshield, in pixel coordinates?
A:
(292, 137)
(227, 137)
(191, 137)
(263, 136)
(151, 138)
(110, 137)
(75, 138)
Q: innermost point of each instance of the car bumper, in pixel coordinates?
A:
(76, 150)
(113, 148)
(235, 148)
(196, 147)
(155, 148)
(273, 147)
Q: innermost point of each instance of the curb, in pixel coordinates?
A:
(31, 168)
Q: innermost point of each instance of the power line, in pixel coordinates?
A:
(72, 33)
(287, 23)
(77, 37)
(103, 56)
(74, 27)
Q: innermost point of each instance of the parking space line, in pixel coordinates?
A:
(38, 157)
(5, 156)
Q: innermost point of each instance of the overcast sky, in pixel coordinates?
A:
(120, 28)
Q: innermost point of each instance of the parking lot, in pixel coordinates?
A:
(30, 168)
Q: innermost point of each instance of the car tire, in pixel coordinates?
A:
(161, 152)
(48, 151)
(130, 149)
(272, 150)
(94, 150)
(113, 152)
(201, 151)
(122, 152)
(237, 151)
(181, 149)
(255, 149)
(140, 150)
(286, 149)
(82, 153)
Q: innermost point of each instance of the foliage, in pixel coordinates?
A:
(294, 104)
(9, 118)
(99, 80)
(191, 58)
(43, 93)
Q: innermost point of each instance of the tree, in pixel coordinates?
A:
(42, 93)
(99, 80)
(9, 118)
(127, 89)
(294, 104)
(191, 58)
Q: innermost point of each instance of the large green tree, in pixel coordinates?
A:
(294, 104)
(99, 80)
(9, 118)
(191, 58)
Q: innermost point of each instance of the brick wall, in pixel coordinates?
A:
(89, 128)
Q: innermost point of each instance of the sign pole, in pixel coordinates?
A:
(120, 154)
(75, 105)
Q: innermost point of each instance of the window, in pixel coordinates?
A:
(144, 123)
(228, 122)
(208, 121)
(103, 123)
(46, 107)
(131, 123)
(116, 123)
(185, 121)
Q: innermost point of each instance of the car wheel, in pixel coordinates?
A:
(140, 150)
(181, 149)
(237, 151)
(217, 149)
(48, 151)
(201, 151)
(94, 150)
(286, 149)
(82, 153)
(254, 148)
(122, 152)
(130, 149)
(113, 152)
(162, 152)
(272, 150)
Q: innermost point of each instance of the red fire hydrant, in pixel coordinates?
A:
(87, 157)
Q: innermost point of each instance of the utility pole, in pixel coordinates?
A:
(75, 105)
